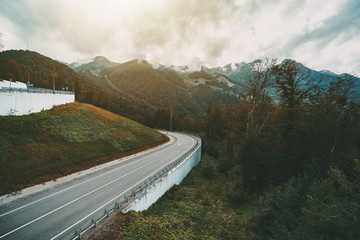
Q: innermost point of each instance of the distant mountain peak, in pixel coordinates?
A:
(289, 60)
(98, 64)
(142, 61)
(101, 59)
(328, 73)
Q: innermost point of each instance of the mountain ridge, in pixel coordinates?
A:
(137, 87)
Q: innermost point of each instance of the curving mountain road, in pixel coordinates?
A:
(54, 213)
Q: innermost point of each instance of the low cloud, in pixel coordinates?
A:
(179, 30)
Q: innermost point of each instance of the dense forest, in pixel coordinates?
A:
(298, 150)
(280, 163)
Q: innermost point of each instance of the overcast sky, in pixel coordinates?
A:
(323, 34)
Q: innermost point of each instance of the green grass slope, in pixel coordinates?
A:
(202, 207)
(42, 146)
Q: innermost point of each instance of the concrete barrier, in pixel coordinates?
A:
(174, 176)
(22, 103)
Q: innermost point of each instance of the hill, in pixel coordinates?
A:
(162, 87)
(43, 146)
(19, 65)
(38, 68)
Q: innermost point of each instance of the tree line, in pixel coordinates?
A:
(285, 123)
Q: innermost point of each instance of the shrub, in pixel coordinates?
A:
(309, 208)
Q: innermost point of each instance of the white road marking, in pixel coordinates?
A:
(78, 198)
(102, 206)
(31, 203)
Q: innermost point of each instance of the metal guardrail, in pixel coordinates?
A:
(34, 90)
(131, 195)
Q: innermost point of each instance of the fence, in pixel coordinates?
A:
(35, 90)
(137, 191)
(22, 101)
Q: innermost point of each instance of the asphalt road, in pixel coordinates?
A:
(54, 213)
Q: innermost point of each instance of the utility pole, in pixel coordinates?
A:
(28, 81)
(170, 119)
(53, 79)
(54, 83)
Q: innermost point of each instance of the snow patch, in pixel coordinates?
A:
(233, 66)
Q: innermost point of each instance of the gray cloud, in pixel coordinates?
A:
(340, 28)
(180, 25)
(28, 19)
(345, 24)
(321, 33)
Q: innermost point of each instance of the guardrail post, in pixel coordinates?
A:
(94, 221)
(78, 233)
(107, 212)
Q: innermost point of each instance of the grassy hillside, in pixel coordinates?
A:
(212, 204)
(205, 206)
(209, 205)
(68, 138)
